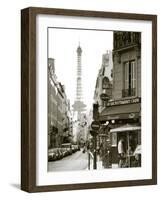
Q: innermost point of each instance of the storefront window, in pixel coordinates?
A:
(114, 140)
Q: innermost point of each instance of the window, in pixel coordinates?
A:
(129, 79)
(105, 83)
(114, 139)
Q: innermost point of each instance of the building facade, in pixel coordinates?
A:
(104, 81)
(59, 114)
(127, 65)
(102, 93)
(123, 110)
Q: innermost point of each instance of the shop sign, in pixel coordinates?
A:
(124, 101)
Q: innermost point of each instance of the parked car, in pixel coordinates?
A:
(78, 147)
(68, 147)
(75, 148)
(65, 152)
(53, 154)
(50, 155)
(60, 153)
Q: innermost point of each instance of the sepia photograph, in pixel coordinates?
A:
(94, 110)
(89, 101)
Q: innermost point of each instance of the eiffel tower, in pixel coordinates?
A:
(79, 106)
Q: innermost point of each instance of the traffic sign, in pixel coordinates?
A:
(95, 125)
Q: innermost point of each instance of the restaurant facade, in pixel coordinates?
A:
(122, 113)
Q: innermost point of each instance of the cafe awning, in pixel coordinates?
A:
(125, 128)
(126, 111)
(137, 150)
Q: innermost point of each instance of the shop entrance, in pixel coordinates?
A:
(125, 151)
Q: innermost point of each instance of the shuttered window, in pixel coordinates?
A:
(129, 79)
(133, 74)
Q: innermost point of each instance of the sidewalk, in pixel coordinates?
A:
(99, 165)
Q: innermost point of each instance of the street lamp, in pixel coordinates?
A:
(95, 125)
(94, 135)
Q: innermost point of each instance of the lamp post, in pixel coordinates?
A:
(94, 134)
(95, 152)
(95, 125)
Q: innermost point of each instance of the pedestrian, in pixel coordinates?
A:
(84, 149)
(121, 152)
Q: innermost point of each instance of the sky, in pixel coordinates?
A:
(62, 46)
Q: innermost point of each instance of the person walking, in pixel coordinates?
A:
(121, 152)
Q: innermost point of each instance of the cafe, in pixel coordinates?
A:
(124, 124)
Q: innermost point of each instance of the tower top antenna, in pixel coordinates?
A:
(79, 49)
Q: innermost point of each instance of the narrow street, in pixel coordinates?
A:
(76, 161)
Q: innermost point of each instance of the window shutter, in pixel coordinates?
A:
(133, 75)
(126, 75)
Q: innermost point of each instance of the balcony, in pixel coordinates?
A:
(124, 39)
(129, 92)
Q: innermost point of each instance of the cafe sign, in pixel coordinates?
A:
(124, 101)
